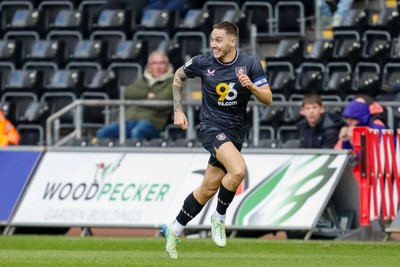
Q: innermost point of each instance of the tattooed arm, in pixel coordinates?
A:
(180, 119)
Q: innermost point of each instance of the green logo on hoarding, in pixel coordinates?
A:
(315, 172)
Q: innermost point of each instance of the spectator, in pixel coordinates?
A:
(318, 129)
(155, 84)
(326, 14)
(358, 113)
(8, 133)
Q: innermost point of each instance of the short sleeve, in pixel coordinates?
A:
(191, 67)
(258, 75)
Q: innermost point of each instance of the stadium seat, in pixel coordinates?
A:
(193, 19)
(220, 10)
(17, 104)
(37, 113)
(45, 50)
(376, 45)
(27, 20)
(109, 41)
(76, 142)
(309, 77)
(95, 116)
(125, 51)
(6, 69)
(133, 142)
(26, 40)
(266, 132)
(115, 20)
(287, 132)
(291, 50)
(296, 25)
(65, 80)
(9, 51)
(270, 118)
(89, 51)
(337, 78)
(126, 73)
(31, 135)
(67, 40)
(268, 143)
(292, 113)
(172, 132)
(50, 9)
(155, 142)
(159, 20)
(151, 41)
(356, 19)
(333, 103)
(281, 76)
(366, 78)
(259, 14)
(185, 45)
(319, 49)
(387, 19)
(7, 10)
(90, 10)
(57, 101)
(105, 142)
(395, 51)
(23, 80)
(67, 20)
(290, 144)
(391, 78)
(46, 70)
(346, 45)
(183, 142)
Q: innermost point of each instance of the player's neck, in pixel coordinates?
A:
(230, 58)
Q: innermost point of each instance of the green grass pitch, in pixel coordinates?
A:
(34, 250)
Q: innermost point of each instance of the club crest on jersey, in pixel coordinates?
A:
(188, 63)
(210, 72)
(221, 136)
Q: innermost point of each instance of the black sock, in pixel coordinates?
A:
(191, 207)
(225, 198)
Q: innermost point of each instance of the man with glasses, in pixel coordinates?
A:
(155, 84)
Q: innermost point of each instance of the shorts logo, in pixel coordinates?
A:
(221, 136)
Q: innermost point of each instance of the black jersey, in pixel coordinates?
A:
(224, 100)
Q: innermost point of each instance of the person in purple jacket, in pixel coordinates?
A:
(357, 113)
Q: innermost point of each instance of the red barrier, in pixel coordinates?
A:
(377, 173)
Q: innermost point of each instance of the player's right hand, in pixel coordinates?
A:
(180, 120)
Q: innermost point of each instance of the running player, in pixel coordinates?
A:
(229, 78)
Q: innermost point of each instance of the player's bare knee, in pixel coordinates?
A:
(237, 175)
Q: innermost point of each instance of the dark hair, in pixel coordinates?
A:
(312, 98)
(229, 27)
(369, 100)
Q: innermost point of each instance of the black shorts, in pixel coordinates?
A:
(212, 138)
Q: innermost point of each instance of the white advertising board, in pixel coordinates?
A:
(148, 189)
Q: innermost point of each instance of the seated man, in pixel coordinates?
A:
(155, 84)
(318, 129)
(8, 133)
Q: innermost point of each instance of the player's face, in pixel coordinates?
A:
(222, 45)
